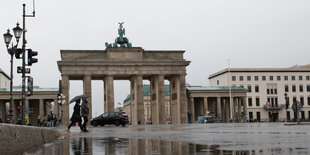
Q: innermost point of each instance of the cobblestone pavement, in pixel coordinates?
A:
(243, 138)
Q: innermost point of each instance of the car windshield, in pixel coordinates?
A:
(105, 115)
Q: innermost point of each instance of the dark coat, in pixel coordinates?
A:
(84, 110)
(76, 117)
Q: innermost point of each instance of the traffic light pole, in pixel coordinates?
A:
(24, 64)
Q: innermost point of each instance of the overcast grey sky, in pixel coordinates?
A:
(256, 33)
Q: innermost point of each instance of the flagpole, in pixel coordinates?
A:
(229, 86)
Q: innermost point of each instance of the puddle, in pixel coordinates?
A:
(120, 146)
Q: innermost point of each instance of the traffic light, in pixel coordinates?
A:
(31, 54)
(30, 86)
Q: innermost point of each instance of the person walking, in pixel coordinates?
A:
(39, 121)
(48, 120)
(76, 116)
(84, 113)
(189, 116)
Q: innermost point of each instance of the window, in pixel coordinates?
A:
(301, 88)
(241, 78)
(249, 78)
(302, 100)
(285, 78)
(294, 100)
(258, 116)
(241, 86)
(249, 88)
(276, 101)
(264, 78)
(167, 110)
(293, 78)
(268, 92)
(250, 102)
(279, 78)
(257, 102)
(233, 78)
(256, 78)
(308, 88)
(308, 99)
(217, 82)
(275, 91)
(271, 91)
(307, 78)
(251, 116)
(294, 88)
(271, 78)
(286, 88)
(256, 89)
(300, 78)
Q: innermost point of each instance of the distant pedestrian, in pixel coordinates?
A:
(84, 113)
(39, 121)
(76, 116)
(48, 120)
(55, 120)
(52, 120)
(189, 115)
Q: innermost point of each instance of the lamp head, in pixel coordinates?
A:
(7, 38)
(17, 32)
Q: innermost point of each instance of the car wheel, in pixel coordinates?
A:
(95, 123)
(117, 123)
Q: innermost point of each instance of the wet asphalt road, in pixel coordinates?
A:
(243, 138)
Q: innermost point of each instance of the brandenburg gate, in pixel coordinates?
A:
(121, 61)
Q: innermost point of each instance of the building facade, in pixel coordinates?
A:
(4, 79)
(266, 88)
(202, 101)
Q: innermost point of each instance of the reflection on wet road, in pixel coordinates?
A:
(183, 139)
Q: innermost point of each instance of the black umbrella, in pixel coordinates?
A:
(83, 97)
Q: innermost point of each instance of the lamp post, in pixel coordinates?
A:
(7, 38)
(287, 104)
(13, 50)
(61, 101)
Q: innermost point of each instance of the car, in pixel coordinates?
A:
(211, 119)
(116, 118)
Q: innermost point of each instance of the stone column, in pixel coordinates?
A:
(239, 109)
(178, 99)
(219, 108)
(244, 106)
(65, 86)
(41, 112)
(234, 108)
(137, 99)
(192, 108)
(158, 99)
(174, 100)
(231, 107)
(87, 93)
(108, 94)
(205, 106)
(183, 99)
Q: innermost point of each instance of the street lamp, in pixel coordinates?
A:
(7, 40)
(287, 104)
(61, 101)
